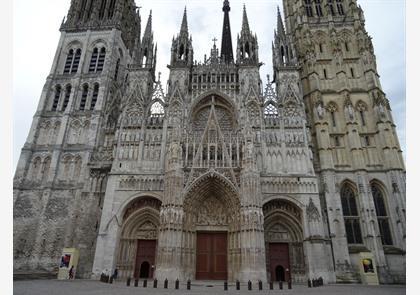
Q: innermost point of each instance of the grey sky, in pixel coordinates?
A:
(36, 36)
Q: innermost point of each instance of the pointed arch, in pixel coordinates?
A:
(380, 201)
(226, 100)
(45, 168)
(349, 204)
(36, 166)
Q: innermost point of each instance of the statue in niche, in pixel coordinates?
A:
(320, 110)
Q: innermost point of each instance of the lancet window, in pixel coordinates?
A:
(351, 215)
(56, 100)
(308, 8)
(66, 97)
(381, 214)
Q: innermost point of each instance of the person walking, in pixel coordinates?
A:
(71, 273)
(115, 275)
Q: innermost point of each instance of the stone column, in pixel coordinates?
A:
(253, 264)
(168, 264)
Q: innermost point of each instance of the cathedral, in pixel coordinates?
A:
(223, 175)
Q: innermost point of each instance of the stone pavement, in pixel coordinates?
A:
(88, 287)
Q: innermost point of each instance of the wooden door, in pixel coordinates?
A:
(279, 261)
(211, 256)
(145, 258)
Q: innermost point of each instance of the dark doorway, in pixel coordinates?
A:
(146, 252)
(144, 270)
(211, 256)
(280, 273)
(278, 254)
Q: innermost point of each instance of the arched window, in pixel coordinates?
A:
(83, 100)
(36, 166)
(318, 8)
(56, 100)
(76, 61)
(283, 59)
(381, 214)
(117, 68)
(45, 169)
(340, 7)
(333, 121)
(94, 97)
(308, 8)
(97, 61)
(361, 107)
(351, 215)
(66, 97)
(331, 7)
(332, 109)
(72, 61)
(101, 60)
(69, 61)
(93, 60)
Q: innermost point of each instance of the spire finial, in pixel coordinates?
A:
(226, 6)
(227, 51)
(148, 30)
(245, 23)
(280, 27)
(184, 25)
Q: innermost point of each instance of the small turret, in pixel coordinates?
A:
(146, 50)
(282, 49)
(247, 51)
(182, 49)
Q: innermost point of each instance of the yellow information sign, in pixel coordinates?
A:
(68, 264)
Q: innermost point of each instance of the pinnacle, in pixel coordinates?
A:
(184, 25)
(280, 27)
(148, 31)
(245, 23)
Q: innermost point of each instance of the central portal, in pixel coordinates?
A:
(211, 256)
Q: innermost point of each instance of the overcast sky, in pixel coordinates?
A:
(36, 35)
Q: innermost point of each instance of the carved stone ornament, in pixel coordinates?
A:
(212, 212)
(312, 212)
(348, 106)
(147, 231)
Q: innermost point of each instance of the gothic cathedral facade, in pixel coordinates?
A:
(221, 176)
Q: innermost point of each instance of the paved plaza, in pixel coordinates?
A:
(87, 287)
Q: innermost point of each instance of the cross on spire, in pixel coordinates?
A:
(214, 40)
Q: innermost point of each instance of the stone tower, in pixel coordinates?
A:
(221, 177)
(61, 175)
(357, 156)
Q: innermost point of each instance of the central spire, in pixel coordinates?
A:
(227, 51)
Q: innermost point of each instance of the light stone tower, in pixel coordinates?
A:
(356, 151)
